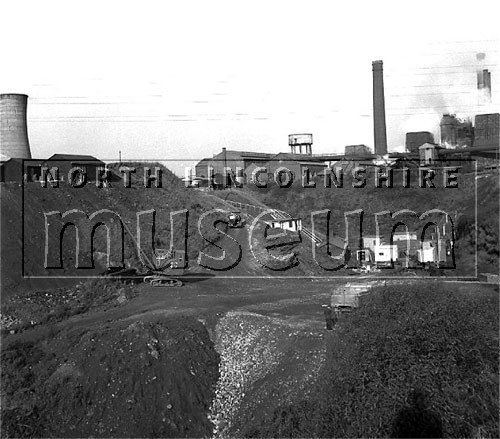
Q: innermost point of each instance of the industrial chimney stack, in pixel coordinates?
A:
(483, 80)
(487, 83)
(379, 129)
(13, 126)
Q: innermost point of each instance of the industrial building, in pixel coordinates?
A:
(298, 164)
(16, 162)
(455, 132)
(210, 171)
(414, 140)
(487, 130)
(236, 160)
(290, 224)
(11, 169)
(89, 165)
(16, 169)
(460, 139)
(357, 150)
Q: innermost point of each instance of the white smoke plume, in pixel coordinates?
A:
(438, 93)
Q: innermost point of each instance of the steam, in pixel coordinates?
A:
(464, 92)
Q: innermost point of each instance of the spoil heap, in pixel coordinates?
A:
(138, 379)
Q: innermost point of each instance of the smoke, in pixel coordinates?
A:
(453, 86)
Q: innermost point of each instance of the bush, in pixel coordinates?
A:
(407, 355)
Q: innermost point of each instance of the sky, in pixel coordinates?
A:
(177, 81)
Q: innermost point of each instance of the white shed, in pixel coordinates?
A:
(291, 224)
(385, 253)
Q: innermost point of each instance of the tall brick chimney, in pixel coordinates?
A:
(379, 130)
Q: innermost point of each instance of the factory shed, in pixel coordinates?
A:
(433, 251)
(11, 170)
(429, 153)
(291, 224)
(261, 177)
(296, 164)
(383, 252)
(201, 168)
(357, 150)
(65, 162)
(237, 161)
(487, 130)
(403, 236)
(386, 253)
(414, 140)
(17, 169)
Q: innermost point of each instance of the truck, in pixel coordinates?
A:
(345, 298)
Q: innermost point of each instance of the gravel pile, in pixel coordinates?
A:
(8, 321)
(259, 366)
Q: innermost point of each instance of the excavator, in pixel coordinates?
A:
(165, 261)
(157, 271)
(154, 271)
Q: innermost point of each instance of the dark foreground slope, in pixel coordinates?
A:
(138, 379)
(23, 237)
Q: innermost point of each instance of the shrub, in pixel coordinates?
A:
(408, 353)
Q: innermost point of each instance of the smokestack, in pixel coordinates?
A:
(13, 126)
(379, 130)
(487, 82)
(480, 80)
(483, 80)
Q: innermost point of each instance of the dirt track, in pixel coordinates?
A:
(268, 336)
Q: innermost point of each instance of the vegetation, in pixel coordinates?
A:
(418, 361)
(460, 203)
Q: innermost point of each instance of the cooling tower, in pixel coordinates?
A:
(13, 127)
(379, 131)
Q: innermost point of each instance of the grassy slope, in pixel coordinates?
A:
(407, 358)
(460, 203)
